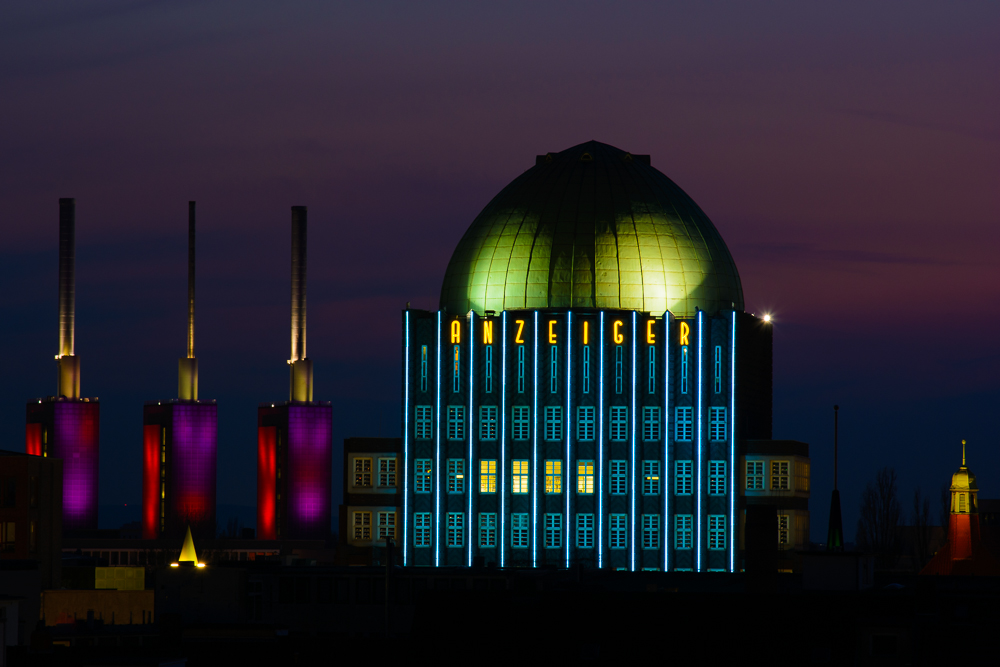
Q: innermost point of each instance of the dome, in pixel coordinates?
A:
(592, 227)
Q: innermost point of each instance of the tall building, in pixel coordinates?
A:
(179, 444)
(31, 512)
(295, 438)
(67, 426)
(584, 392)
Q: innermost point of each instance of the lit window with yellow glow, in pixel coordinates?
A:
(553, 477)
(585, 477)
(519, 470)
(783, 529)
(362, 472)
(780, 476)
(362, 526)
(650, 478)
(488, 476)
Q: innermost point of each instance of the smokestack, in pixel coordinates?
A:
(187, 368)
(301, 381)
(69, 364)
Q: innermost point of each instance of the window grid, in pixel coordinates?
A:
(489, 368)
(585, 415)
(422, 476)
(684, 369)
(522, 422)
(456, 422)
(716, 532)
(362, 525)
(519, 474)
(386, 525)
(553, 531)
(779, 475)
(519, 531)
(585, 531)
(619, 531)
(456, 476)
(717, 424)
(619, 477)
(553, 369)
(362, 472)
(683, 524)
(553, 477)
(387, 472)
(783, 529)
(487, 530)
(716, 478)
(619, 423)
(586, 369)
(650, 531)
(456, 379)
(487, 476)
(487, 422)
(423, 368)
(683, 478)
(683, 423)
(718, 369)
(421, 529)
(585, 477)
(455, 533)
(618, 369)
(553, 422)
(652, 370)
(650, 423)
(650, 478)
(424, 428)
(755, 475)
(520, 369)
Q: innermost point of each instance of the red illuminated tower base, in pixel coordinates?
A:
(294, 470)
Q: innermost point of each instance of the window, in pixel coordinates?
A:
(585, 531)
(423, 368)
(755, 475)
(783, 532)
(456, 422)
(456, 377)
(779, 475)
(519, 531)
(683, 528)
(487, 530)
(716, 478)
(586, 369)
(553, 369)
(487, 476)
(619, 478)
(718, 369)
(489, 369)
(553, 422)
(422, 476)
(424, 429)
(456, 476)
(619, 531)
(519, 471)
(553, 477)
(619, 423)
(387, 472)
(683, 424)
(585, 477)
(455, 535)
(361, 523)
(650, 423)
(488, 422)
(585, 422)
(386, 525)
(717, 424)
(684, 369)
(683, 477)
(716, 532)
(618, 369)
(421, 529)
(652, 370)
(650, 531)
(522, 426)
(520, 369)
(650, 478)
(961, 502)
(362, 472)
(553, 531)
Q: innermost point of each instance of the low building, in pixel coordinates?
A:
(31, 512)
(776, 473)
(370, 513)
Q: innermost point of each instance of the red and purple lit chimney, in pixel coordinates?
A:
(67, 426)
(294, 438)
(179, 444)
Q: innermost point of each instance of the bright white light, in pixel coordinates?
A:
(767, 318)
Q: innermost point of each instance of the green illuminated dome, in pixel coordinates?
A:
(592, 227)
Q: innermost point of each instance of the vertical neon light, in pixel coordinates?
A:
(33, 439)
(534, 455)
(437, 450)
(150, 481)
(406, 441)
(309, 457)
(631, 486)
(469, 467)
(665, 479)
(569, 420)
(503, 445)
(267, 492)
(600, 458)
(697, 536)
(732, 449)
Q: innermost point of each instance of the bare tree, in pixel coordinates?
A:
(921, 529)
(879, 522)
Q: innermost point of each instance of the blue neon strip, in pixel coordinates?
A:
(600, 459)
(697, 542)
(503, 445)
(732, 450)
(472, 427)
(437, 452)
(569, 421)
(534, 463)
(665, 475)
(631, 486)
(406, 444)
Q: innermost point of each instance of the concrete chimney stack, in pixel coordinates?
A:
(69, 363)
(187, 367)
(301, 381)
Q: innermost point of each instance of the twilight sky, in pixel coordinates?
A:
(849, 156)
